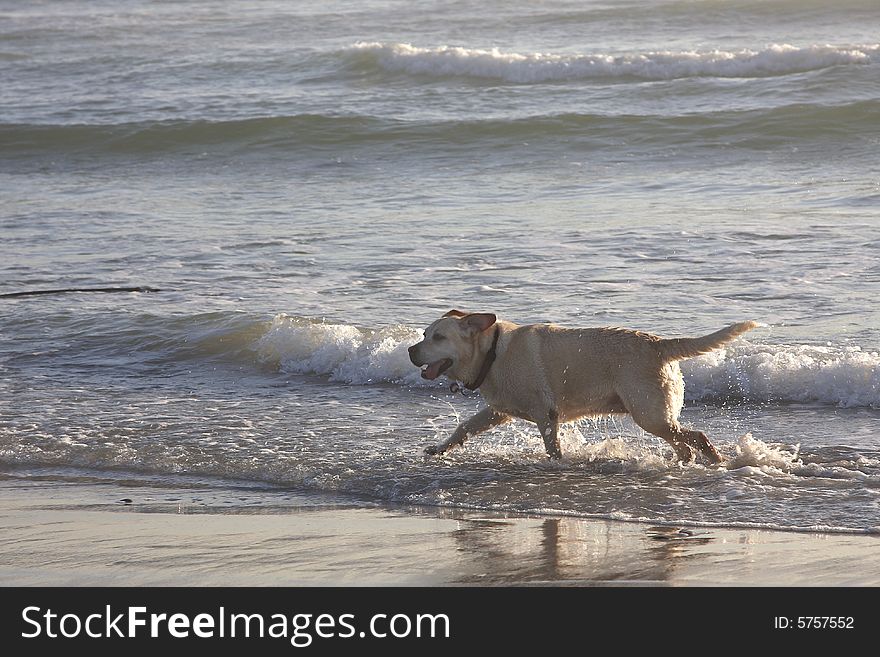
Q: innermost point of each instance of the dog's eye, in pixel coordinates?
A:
(437, 336)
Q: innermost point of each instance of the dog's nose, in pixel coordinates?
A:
(412, 354)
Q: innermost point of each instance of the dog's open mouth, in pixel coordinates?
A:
(436, 368)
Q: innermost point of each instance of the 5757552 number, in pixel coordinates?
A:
(814, 623)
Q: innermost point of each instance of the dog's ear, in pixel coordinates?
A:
(478, 322)
(455, 313)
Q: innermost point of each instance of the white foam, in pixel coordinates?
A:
(844, 376)
(757, 457)
(343, 352)
(776, 59)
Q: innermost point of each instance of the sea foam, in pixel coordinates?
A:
(842, 375)
(343, 352)
(776, 59)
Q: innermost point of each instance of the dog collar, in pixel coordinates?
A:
(487, 363)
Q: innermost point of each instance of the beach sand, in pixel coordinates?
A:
(98, 534)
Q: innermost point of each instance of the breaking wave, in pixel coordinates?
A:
(525, 68)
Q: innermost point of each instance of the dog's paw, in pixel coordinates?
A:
(434, 450)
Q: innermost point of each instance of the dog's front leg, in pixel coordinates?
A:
(482, 421)
(548, 425)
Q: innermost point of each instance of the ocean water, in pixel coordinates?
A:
(309, 184)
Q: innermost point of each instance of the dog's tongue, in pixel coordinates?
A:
(434, 370)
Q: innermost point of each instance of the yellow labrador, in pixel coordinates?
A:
(548, 374)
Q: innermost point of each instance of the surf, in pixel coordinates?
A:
(539, 67)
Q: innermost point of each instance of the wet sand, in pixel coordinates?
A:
(84, 534)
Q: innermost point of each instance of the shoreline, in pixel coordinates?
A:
(93, 534)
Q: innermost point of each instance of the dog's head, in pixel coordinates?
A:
(451, 344)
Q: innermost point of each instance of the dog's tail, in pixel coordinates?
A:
(681, 348)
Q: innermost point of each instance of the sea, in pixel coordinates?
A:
(307, 185)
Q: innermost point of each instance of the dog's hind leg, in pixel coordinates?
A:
(672, 433)
(698, 440)
(549, 428)
(683, 441)
(654, 405)
(482, 421)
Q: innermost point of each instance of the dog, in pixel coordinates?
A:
(548, 374)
